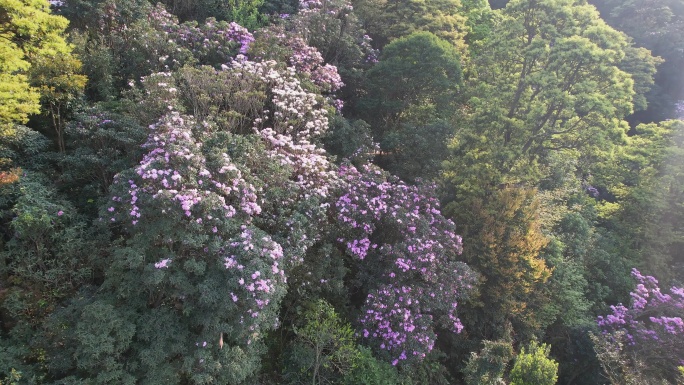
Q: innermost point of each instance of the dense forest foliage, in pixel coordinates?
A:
(342, 192)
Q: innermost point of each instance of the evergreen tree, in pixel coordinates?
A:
(534, 367)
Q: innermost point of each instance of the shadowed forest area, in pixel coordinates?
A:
(342, 192)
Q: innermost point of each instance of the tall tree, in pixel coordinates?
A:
(412, 92)
(547, 81)
(61, 85)
(415, 72)
(28, 32)
(505, 241)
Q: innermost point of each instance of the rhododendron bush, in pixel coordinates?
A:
(407, 251)
(274, 192)
(216, 215)
(650, 331)
(209, 222)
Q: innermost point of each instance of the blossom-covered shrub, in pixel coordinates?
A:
(324, 42)
(333, 28)
(651, 329)
(212, 42)
(211, 221)
(277, 43)
(187, 213)
(408, 256)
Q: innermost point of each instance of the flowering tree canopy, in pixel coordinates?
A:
(409, 250)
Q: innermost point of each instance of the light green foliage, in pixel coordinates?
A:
(489, 365)
(571, 244)
(28, 32)
(323, 350)
(369, 370)
(387, 20)
(480, 20)
(591, 262)
(645, 181)
(243, 12)
(60, 83)
(534, 367)
(588, 271)
(641, 64)
(567, 290)
(547, 80)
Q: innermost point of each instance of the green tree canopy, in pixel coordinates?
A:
(534, 367)
(547, 80)
(387, 20)
(28, 32)
(415, 72)
(411, 92)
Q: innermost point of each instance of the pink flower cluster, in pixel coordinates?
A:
(652, 323)
(401, 228)
(257, 261)
(305, 59)
(211, 41)
(185, 183)
(647, 315)
(175, 183)
(288, 130)
(174, 173)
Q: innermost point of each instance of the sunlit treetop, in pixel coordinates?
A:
(27, 32)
